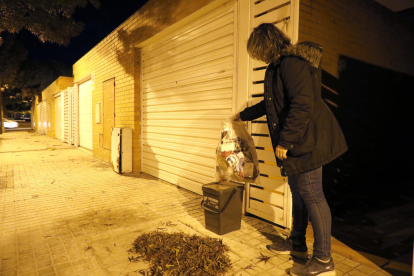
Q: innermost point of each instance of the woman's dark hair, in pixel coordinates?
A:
(265, 42)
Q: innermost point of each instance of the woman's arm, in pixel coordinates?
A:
(253, 112)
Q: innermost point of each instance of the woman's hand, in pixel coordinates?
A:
(236, 117)
(281, 152)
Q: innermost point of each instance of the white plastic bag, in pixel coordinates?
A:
(236, 154)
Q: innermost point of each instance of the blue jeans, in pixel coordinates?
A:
(309, 203)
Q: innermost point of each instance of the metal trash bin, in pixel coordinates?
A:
(222, 204)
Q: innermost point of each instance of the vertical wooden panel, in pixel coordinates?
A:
(281, 13)
(65, 116)
(108, 111)
(58, 117)
(43, 122)
(74, 118)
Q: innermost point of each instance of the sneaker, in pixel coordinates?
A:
(289, 247)
(314, 267)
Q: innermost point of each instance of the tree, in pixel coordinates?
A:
(34, 76)
(16, 101)
(12, 54)
(30, 80)
(48, 20)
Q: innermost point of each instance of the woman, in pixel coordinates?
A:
(305, 136)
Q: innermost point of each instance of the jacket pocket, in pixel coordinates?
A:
(306, 143)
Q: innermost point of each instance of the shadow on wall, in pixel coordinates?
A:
(369, 188)
(127, 51)
(158, 15)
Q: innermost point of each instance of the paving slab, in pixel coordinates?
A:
(65, 212)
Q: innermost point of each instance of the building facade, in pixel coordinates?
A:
(44, 108)
(174, 70)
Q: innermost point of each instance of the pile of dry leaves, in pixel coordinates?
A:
(174, 254)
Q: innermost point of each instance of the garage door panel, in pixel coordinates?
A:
(193, 107)
(194, 71)
(195, 35)
(183, 132)
(196, 115)
(174, 170)
(207, 80)
(204, 100)
(180, 181)
(190, 61)
(206, 97)
(198, 150)
(216, 49)
(196, 171)
(221, 86)
(199, 27)
(179, 155)
(199, 124)
(180, 140)
(183, 107)
(222, 36)
(186, 129)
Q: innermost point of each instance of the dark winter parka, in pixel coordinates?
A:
(297, 117)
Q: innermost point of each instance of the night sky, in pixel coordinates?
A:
(98, 24)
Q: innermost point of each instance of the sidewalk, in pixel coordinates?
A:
(65, 212)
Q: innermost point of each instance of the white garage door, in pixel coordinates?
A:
(85, 114)
(188, 81)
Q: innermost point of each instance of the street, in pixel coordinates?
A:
(65, 212)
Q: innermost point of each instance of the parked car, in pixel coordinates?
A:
(10, 123)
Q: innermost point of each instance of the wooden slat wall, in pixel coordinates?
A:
(43, 118)
(188, 90)
(74, 138)
(67, 115)
(270, 198)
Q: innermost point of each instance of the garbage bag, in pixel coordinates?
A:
(236, 154)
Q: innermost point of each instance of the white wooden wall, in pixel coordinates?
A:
(271, 198)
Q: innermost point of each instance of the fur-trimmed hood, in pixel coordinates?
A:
(308, 51)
